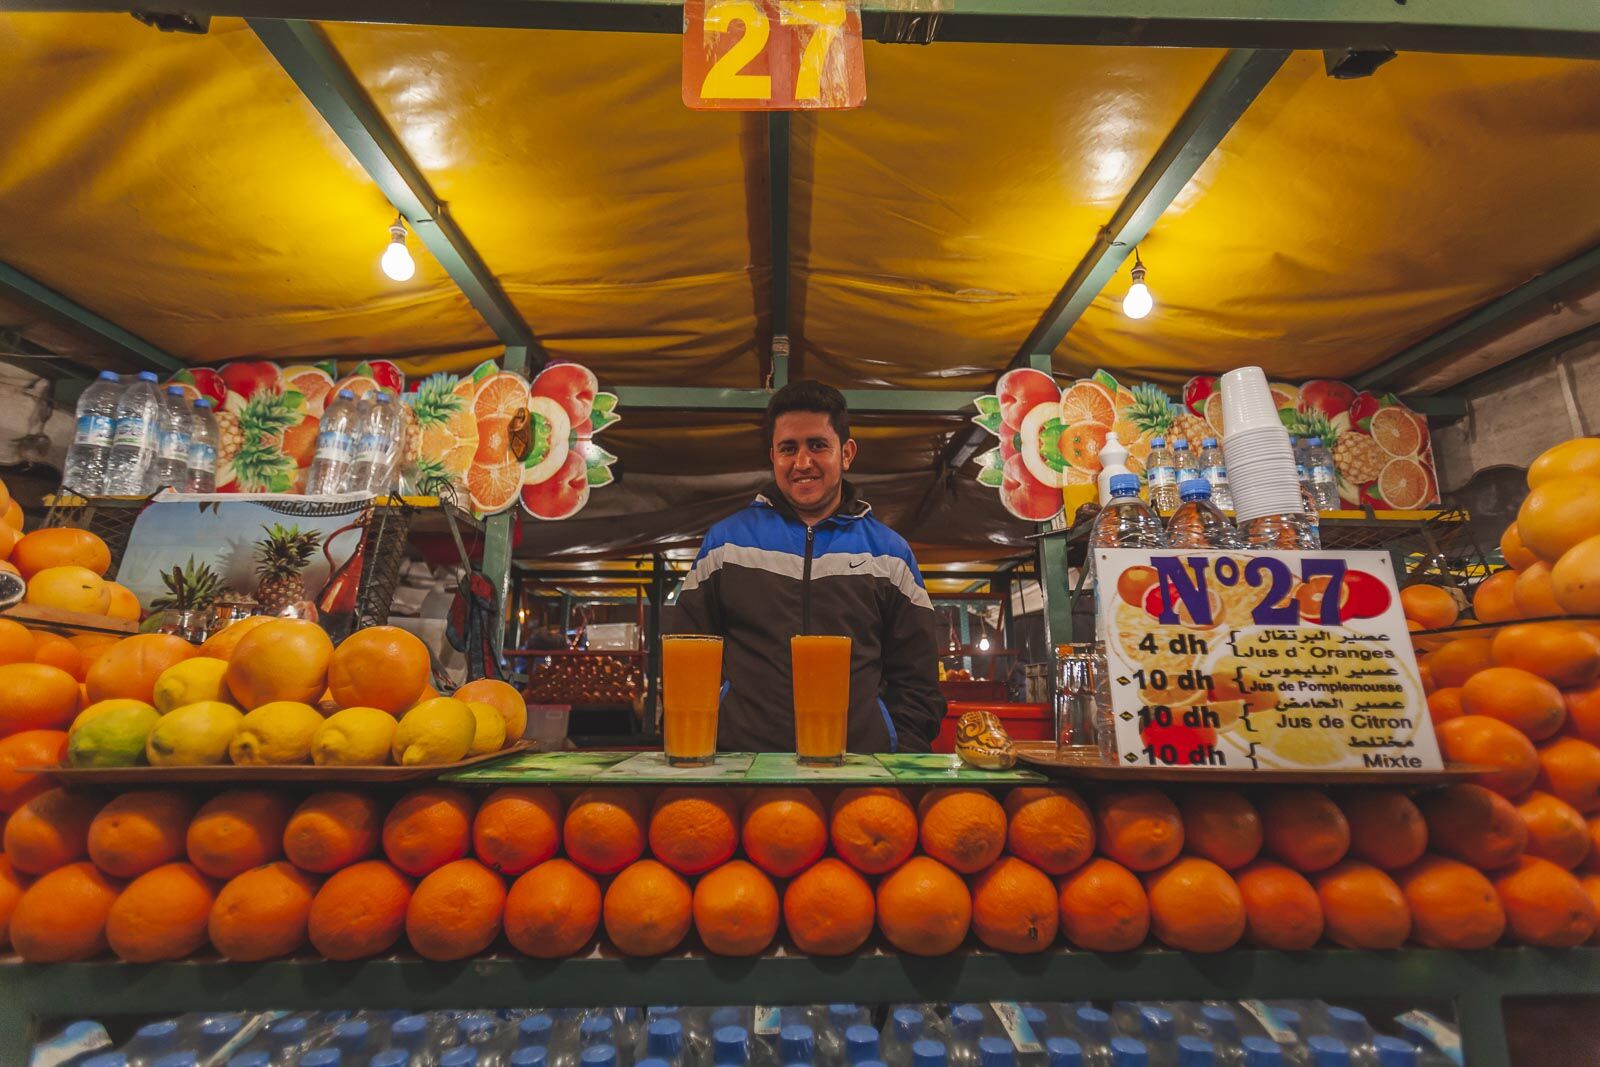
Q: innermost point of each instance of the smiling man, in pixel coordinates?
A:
(806, 556)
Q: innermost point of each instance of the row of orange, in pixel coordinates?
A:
(255, 877)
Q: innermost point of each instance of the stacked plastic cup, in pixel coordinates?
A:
(1267, 504)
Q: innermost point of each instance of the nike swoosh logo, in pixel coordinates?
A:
(857, 563)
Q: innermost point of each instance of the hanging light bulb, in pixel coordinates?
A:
(1138, 302)
(983, 644)
(397, 262)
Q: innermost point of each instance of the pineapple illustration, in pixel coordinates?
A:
(253, 429)
(440, 445)
(191, 587)
(1150, 412)
(1191, 427)
(281, 557)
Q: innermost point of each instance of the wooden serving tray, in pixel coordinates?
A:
(234, 774)
(1085, 762)
(34, 615)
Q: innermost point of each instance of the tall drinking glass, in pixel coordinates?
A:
(691, 682)
(821, 698)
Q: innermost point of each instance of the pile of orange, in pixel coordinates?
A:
(64, 568)
(251, 874)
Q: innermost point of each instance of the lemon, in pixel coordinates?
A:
(114, 737)
(490, 735)
(440, 730)
(103, 707)
(190, 682)
(192, 735)
(353, 737)
(276, 733)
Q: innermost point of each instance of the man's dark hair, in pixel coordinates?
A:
(808, 395)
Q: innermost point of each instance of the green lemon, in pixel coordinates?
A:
(114, 736)
(190, 682)
(276, 733)
(353, 737)
(435, 731)
(104, 707)
(490, 734)
(193, 735)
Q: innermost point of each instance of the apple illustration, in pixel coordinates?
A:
(1362, 408)
(1366, 597)
(1196, 391)
(1025, 496)
(250, 376)
(1329, 397)
(564, 495)
(1009, 436)
(1020, 391)
(572, 386)
(387, 375)
(202, 381)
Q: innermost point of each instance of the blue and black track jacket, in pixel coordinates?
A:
(763, 576)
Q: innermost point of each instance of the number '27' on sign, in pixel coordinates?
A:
(772, 55)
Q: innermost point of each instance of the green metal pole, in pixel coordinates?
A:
(497, 533)
(652, 642)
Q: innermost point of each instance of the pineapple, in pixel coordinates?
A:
(1192, 428)
(259, 463)
(191, 587)
(230, 437)
(1360, 460)
(1151, 410)
(281, 556)
(413, 436)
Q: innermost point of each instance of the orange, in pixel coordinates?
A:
(1051, 828)
(56, 651)
(17, 642)
(455, 911)
(1591, 860)
(140, 831)
(1583, 712)
(262, 913)
(237, 830)
(1575, 578)
(1425, 674)
(924, 908)
(1103, 907)
(62, 546)
(735, 910)
(1554, 516)
(504, 698)
(694, 830)
(873, 828)
(379, 667)
(1195, 906)
(30, 748)
(1429, 605)
(427, 829)
(1510, 759)
(962, 828)
(604, 830)
(1386, 829)
(1452, 905)
(1517, 698)
(1304, 829)
(517, 828)
(1570, 768)
(1220, 825)
(1557, 651)
(648, 908)
(1534, 592)
(49, 831)
(553, 910)
(124, 604)
(92, 647)
(62, 917)
(1014, 907)
(1444, 704)
(129, 668)
(285, 659)
(69, 589)
(1453, 662)
(37, 697)
(332, 829)
(359, 912)
(1362, 907)
(1544, 904)
(1139, 828)
(221, 644)
(1577, 457)
(1513, 551)
(1556, 830)
(1281, 909)
(11, 887)
(1474, 824)
(1494, 600)
(784, 831)
(161, 915)
(829, 909)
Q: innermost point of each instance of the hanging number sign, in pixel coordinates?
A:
(772, 55)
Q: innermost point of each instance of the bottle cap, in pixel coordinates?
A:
(467, 1056)
(147, 376)
(730, 1046)
(253, 1058)
(174, 390)
(1328, 1052)
(795, 1043)
(1158, 441)
(349, 1035)
(161, 1033)
(966, 1018)
(1194, 489)
(203, 403)
(109, 376)
(526, 1056)
(1195, 1052)
(726, 1017)
(1094, 1023)
(595, 1026)
(653, 1061)
(536, 1028)
(1126, 1052)
(907, 1023)
(409, 1032)
(593, 1056)
(928, 1054)
(292, 1028)
(1064, 1052)
(1261, 1052)
(474, 1025)
(996, 1052)
(1221, 1019)
(1393, 1052)
(1035, 1016)
(661, 1011)
(860, 1042)
(382, 397)
(1208, 442)
(109, 1059)
(1314, 442)
(841, 1012)
(1124, 485)
(345, 394)
(322, 1057)
(664, 1038)
(1181, 442)
(1156, 1023)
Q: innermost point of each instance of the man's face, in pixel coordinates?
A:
(808, 462)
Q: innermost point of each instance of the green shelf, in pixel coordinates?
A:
(730, 768)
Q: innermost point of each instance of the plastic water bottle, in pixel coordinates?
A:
(1158, 1030)
(796, 1044)
(1160, 471)
(1127, 521)
(1302, 470)
(390, 1057)
(467, 1056)
(1063, 1052)
(105, 1059)
(996, 1052)
(285, 1039)
(1397, 1052)
(1113, 461)
(1195, 1052)
(352, 1037)
(1218, 1025)
(1329, 1052)
(131, 468)
(151, 1041)
(216, 1032)
(85, 470)
(1352, 1030)
(929, 1054)
(1094, 1027)
(1215, 471)
(335, 446)
(1324, 475)
(664, 1041)
(378, 446)
(1197, 523)
(173, 430)
(904, 1028)
(200, 476)
(322, 1057)
(253, 1058)
(860, 1045)
(411, 1034)
(526, 1056)
(1127, 1052)
(966, 1027)
(730, 1047)
(1262, 1052)
(1185, 463)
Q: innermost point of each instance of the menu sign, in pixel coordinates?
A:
(772, 55)
(1256, 660)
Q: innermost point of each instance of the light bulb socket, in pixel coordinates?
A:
(397, 233)
(1138, 273)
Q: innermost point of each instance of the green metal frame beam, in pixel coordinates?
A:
(1521, 364)
(322, 76)
(1495, 314)
(497, 547)
(861, 401)
(1491, 27)
(35, 293)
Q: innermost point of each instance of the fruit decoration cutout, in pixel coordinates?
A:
(1030, 466)
(561, 462)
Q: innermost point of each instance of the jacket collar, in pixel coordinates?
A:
(851, 506)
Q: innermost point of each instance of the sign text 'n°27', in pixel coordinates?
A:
(772, 55)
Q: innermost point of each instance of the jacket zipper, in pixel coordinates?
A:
(805, 583)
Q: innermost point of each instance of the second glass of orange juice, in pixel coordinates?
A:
(691, 684)
(821, 665)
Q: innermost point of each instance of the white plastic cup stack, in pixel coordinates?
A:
(1256, 449)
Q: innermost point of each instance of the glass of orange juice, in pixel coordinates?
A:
(691, 682)
(821, 697)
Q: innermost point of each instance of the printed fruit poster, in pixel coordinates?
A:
(1261, 661)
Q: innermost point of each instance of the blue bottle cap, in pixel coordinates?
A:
(1126, 1052)
(109, 376)
(664, 1038)
(189, 1059)
(860, 1043)
(1328, 1051)
(653, 1061)
(174, 390)
(928, 1054)
(1181, 442)
(1289, 1018)
(1094, 1023)
(1124, 485)
(475, 1026)
(1221, 1019)
(1194, 489)
(1035, 1018)
(908, 1023)
(1158, 442)
(595, 1028)
(996, 1052)
(351, 1035)
(526, 1056)
(383, 397)
(871, 1063)
(1315, 442)
(1064, 1052)
(1394, 1052)
(467, 1056)
(535, 1029)
(796, 1043)
(730, 1046)
(222, 1025)
(105, 1059)
(1348, 1026)
(409, 1032)
(345, 394)
(1208, 442)
(154, 1035)
(147, 376)
(1195, 1052)
(1156, 1023)
(203, 403)
(253, 1058)
(322, 1057)
(283, 1032)
(966, 1019)
(1260, 1052)
(661, 1011)
(391, 1057)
